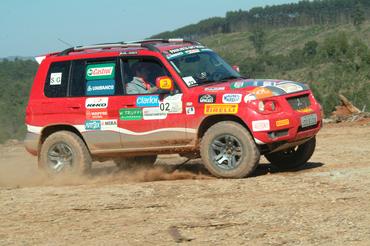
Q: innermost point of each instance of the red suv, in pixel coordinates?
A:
(132, 101)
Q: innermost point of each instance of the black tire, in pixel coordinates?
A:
(64, 152)
(136, 162)
(232, 141)
(293, 158)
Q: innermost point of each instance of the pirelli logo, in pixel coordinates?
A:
(221, 109)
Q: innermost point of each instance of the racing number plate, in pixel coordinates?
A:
(308, 120)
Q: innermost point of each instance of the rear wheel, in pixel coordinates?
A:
(294, 157)
(228, 150)
(135, 162)
(64, 152)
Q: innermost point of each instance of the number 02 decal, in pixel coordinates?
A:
(164, 106)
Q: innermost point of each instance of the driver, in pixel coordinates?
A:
(139, 83)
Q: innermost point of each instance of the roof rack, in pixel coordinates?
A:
(147, 43)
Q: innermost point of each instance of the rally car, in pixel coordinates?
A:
(131, 101)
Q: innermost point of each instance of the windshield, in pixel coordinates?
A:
(202, 68)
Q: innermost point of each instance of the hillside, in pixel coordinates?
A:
(338, 61)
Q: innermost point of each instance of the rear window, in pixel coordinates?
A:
(56, 84)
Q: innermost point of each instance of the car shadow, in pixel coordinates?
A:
(196, 167)
(264, 169)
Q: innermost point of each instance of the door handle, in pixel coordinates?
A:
(128, 105)
(74, 106)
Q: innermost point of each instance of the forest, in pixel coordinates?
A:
(303, 13)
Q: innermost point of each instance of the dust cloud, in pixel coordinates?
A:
(19, 169)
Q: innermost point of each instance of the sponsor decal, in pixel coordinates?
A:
(130, 114)
(249, 97)
(92, 125)
(129, 53)
(172, 104)
(147, 101)
(281, 123)
(55, 78)
(188, 52)
(96, 102)
(100, 87)
(207, 98)
(96, 114)
(239, 85)
(189, 104)
(305, 110)
(190, 81)
(173, 51)
(190, 110)
(289, 87)
(232, 98)
(260, 125)
(108, 124)
(154, 114)
(244, 84)
(215, 89)
(100, 71)
(262, 92)
(221, 109)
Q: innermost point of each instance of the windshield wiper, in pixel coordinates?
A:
(230, 77)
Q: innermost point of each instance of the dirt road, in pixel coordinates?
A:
(328, 203)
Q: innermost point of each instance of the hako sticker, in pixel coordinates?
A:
(96, 102)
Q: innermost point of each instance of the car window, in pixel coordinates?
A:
(139, 75)
(56, 83)
(95, 78)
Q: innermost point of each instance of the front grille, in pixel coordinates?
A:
(299, 102)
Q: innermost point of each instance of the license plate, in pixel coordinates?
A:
(308, 120)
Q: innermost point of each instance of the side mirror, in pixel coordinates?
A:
(164, 83)
(236, 68)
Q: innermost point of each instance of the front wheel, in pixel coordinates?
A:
(293, 158)
(64, 152)
(228, 150)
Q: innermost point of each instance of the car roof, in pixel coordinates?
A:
(157, 45)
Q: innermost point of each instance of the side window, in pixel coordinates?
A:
(56, 83)
(95, 78)
(139, 75)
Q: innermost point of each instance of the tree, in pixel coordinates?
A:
(358, 15)
(258, 39)
(310, 48)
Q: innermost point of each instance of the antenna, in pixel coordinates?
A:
(64, 42)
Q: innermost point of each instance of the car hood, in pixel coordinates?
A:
(256, 88)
